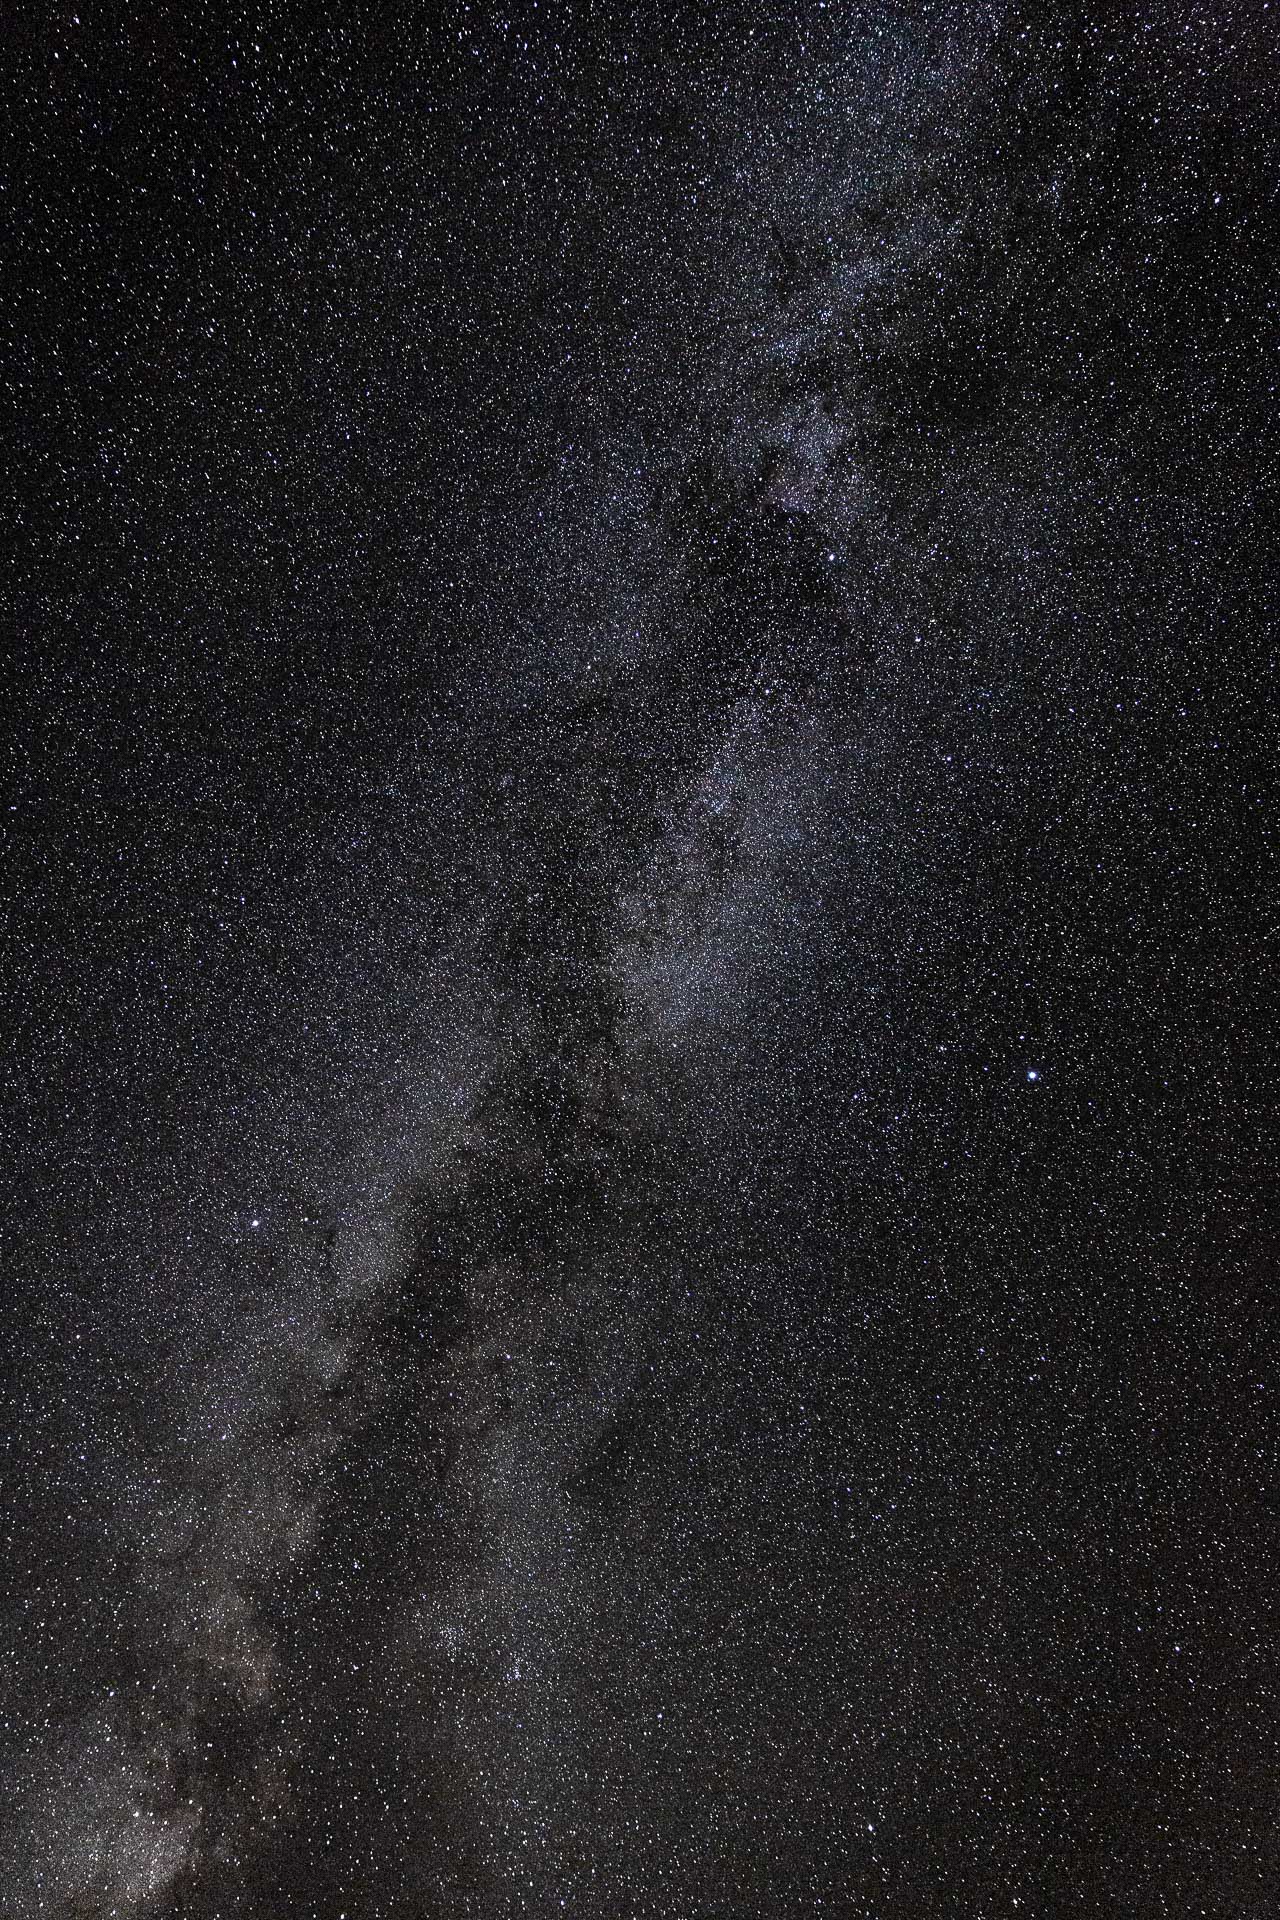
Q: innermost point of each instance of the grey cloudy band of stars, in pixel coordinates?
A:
(639, 1218)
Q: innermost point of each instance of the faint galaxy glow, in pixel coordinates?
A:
(639, 1133)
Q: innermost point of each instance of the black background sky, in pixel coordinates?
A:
(640, 895)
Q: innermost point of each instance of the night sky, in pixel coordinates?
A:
(638, 1124)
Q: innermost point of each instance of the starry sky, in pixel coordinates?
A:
(639, 1124)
